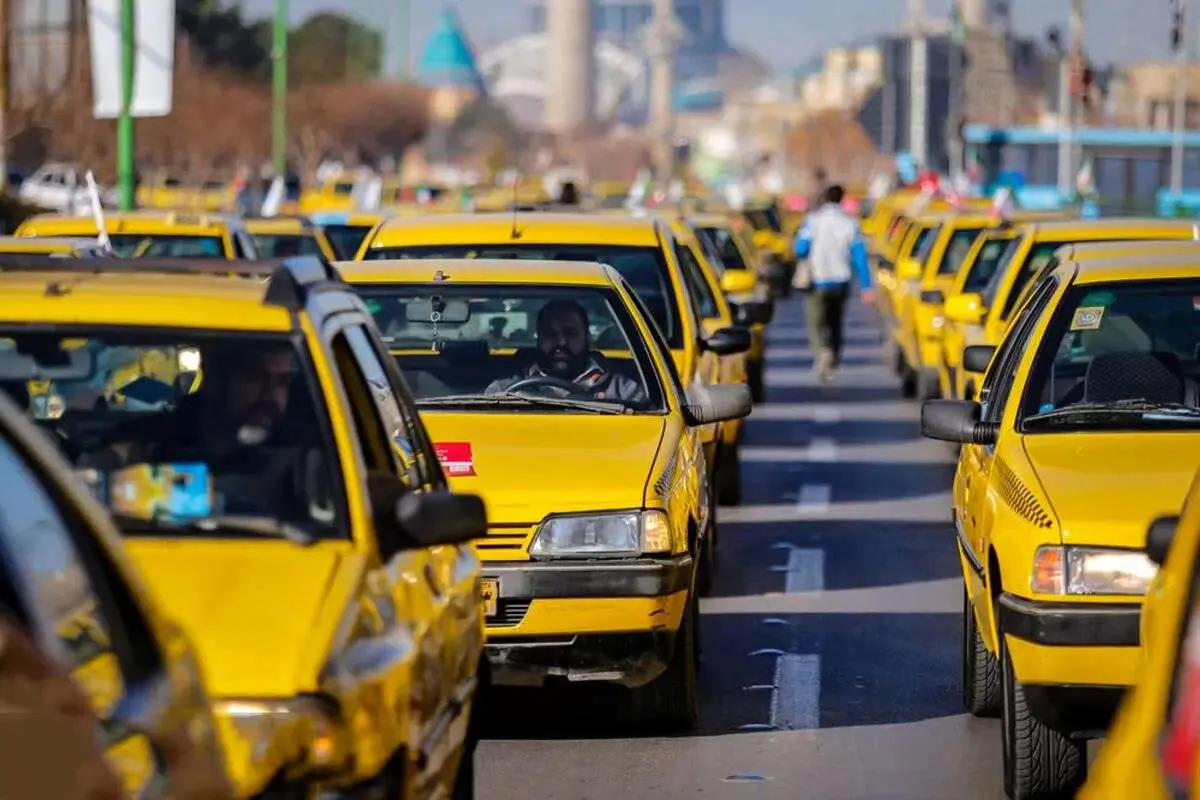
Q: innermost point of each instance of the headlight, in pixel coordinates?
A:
(1091, 570)
(937, 322)
(189, 360)
(623, 533)
(317, 718)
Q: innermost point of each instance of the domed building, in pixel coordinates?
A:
(449, 69)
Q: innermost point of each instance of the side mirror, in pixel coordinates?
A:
(708, 404)
(933, 297)
(977, 357)
(908, 269)
(956, 421)
(752, 312)
(1159, 536)
(965, 308)
(738, 281)
(442, 518)
(728, 341)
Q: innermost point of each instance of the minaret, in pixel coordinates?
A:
(569, 64)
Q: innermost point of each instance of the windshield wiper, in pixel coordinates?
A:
(1146, 409)
(265, 527)
(517, 398)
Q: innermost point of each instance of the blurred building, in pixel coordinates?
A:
(707, 66)
(448, 68)
(40, 50)
(847, 77)
(1145, 96)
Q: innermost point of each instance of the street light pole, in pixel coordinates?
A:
(125, 123)
(1179, 122)
(279, 88)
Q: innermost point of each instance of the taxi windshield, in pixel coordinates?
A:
(1119, 356)
(346, 239)
(643, 267)
(722, 241)
(960, 244)
(981, 270)
(184, 433)
(128, 245)
(509, 347)
(923, 246)
(286, 244)
(764, 219)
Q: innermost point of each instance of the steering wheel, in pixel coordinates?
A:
(547, 381)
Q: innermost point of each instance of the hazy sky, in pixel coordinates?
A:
(789, 32)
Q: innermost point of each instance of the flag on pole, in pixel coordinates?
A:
(1085, 181)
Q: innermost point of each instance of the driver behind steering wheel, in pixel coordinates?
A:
(564, 353)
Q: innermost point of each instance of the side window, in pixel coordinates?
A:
(387, 406)
(369, 427)
(693, 276)
(239, 249)
(998, 386)
(75, 586)
(244, 245)
(659, 343)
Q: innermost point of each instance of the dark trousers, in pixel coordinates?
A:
(824, 311)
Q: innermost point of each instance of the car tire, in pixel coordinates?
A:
(707, 571)
(1039, 763)
(981, 669)
(671, 702)
(927, 385)
(729, 477)
(754, 379)
(464, 779)
(908, 379)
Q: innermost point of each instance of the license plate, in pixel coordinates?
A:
(489, 594)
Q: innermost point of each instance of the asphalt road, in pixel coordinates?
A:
(831, 666)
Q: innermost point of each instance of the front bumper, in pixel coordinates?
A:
(1073, 660)
(586, 620)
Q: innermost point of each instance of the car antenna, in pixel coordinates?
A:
(516, 232)
(98, 211)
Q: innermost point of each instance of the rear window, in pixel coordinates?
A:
(981, 270)
(644, 268)
(286, 244)
(127, 245)
(346, 239)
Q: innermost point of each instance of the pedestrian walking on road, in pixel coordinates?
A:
(833, 255)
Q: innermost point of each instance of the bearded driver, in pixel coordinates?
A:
(564, 352)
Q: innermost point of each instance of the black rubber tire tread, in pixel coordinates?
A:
(981, 669)
(729, 475)
(754, 379)
(1039, 763)
(927, 385)
(671, 703)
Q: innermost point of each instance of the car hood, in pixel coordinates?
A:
(529, 465)
(1106, 488)
(254, 609)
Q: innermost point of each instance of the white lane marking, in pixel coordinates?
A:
(796, 701)
(804, 571)
(827, 415)
(814, 498)
(822, 449)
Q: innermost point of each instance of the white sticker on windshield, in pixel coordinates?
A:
(1087, 318)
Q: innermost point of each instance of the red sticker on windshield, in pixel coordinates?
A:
(456, 458)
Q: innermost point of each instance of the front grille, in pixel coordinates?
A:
(509, 613)
(505, 542)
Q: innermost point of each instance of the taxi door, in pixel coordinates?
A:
(974, 502)
(697, 366)
(418, 580)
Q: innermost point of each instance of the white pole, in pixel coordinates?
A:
(1181, 90)
(918, 78)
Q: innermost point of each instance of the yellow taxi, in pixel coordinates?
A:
(281, 237)
(717, 313)
(63, 246)
(884, 211)
(346, 231)
(1152, 746)
(153, 234)
(742, 286)
(290, 513)
(71, 587)
(983, 317)
(335, 195)
(548, 389)
(1093, 393)
(911, 236)
(213, 196)
(643, 249)
(773, 243)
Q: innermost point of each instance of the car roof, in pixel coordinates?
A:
(48, 243)
(208, 294)
(278, 225)
(1151, 267)
(1127, 249)
(1084, 229)
(478, 270)
(184, 223)
(498, 227)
